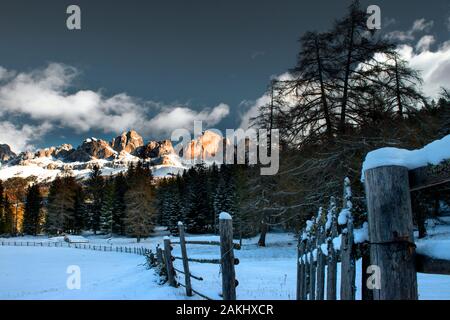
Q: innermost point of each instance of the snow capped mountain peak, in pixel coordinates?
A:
(47, 163)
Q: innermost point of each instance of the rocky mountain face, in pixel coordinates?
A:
(91, 149)
(128, 142)
(156, 149)
(5, 153)
(111, 157)
(206, 146)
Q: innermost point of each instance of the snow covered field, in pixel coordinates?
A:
(263, 273)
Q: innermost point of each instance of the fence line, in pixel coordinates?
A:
(164, 259)
(133, 250)
(390, 247)
(320, 247)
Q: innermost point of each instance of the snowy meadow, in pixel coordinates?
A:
(263, 272)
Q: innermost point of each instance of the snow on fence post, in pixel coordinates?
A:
(392, 247)
(331, 258)
(347, 256)
(187, 274)
(169, 262)
(312, 268)
(227, 256)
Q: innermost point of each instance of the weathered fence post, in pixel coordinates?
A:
(300, 267)
(347, 258)
(312, 269)
(227, 257)
(332, 259)
(168, 262)
(391, 232)
(366, 293)
(300, 280)
(187, 274)
(320, 295)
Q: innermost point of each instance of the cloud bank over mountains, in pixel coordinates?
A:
(46, 96)
(34, 103)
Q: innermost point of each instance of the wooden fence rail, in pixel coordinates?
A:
(227, 261)
(134, 250)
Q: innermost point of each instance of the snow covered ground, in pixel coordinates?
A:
(263, 273)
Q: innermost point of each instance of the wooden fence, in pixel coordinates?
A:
(390, 249)
(227, 260)
(321, 246)
(134, 250)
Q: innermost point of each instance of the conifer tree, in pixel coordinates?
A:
(120, 188)
(2, 209)
(80, 215)
(95, 192)
(8, 215)
(139, 199)
(33, 211)
(60, 209)
(107, 208)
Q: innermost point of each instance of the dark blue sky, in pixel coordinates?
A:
(199, 52)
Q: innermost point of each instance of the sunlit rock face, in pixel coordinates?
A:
(155, 149)
(127, 141)
(90, 149)
(207, 146)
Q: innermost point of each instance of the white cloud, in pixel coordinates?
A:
(173, 118)
(419, 25)
(48, 95)
(422, 25)
(434, 66)
(252, 110)
(424, 43)
(20, 139)
(252, 107)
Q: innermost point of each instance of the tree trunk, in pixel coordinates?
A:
(322, 91)
(346, 80)
(397, 90)
(262, 237)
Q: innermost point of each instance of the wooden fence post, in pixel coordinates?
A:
(187, 274)
(391, 232)
(347, 264)
(300, 267)
(227, 256)
(320, 293)
(332, 258)
(366, 293)
(168, 262)
(347, 257)
(312, 270)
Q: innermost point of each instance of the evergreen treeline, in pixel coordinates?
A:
(197, 197)
(121, 204)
